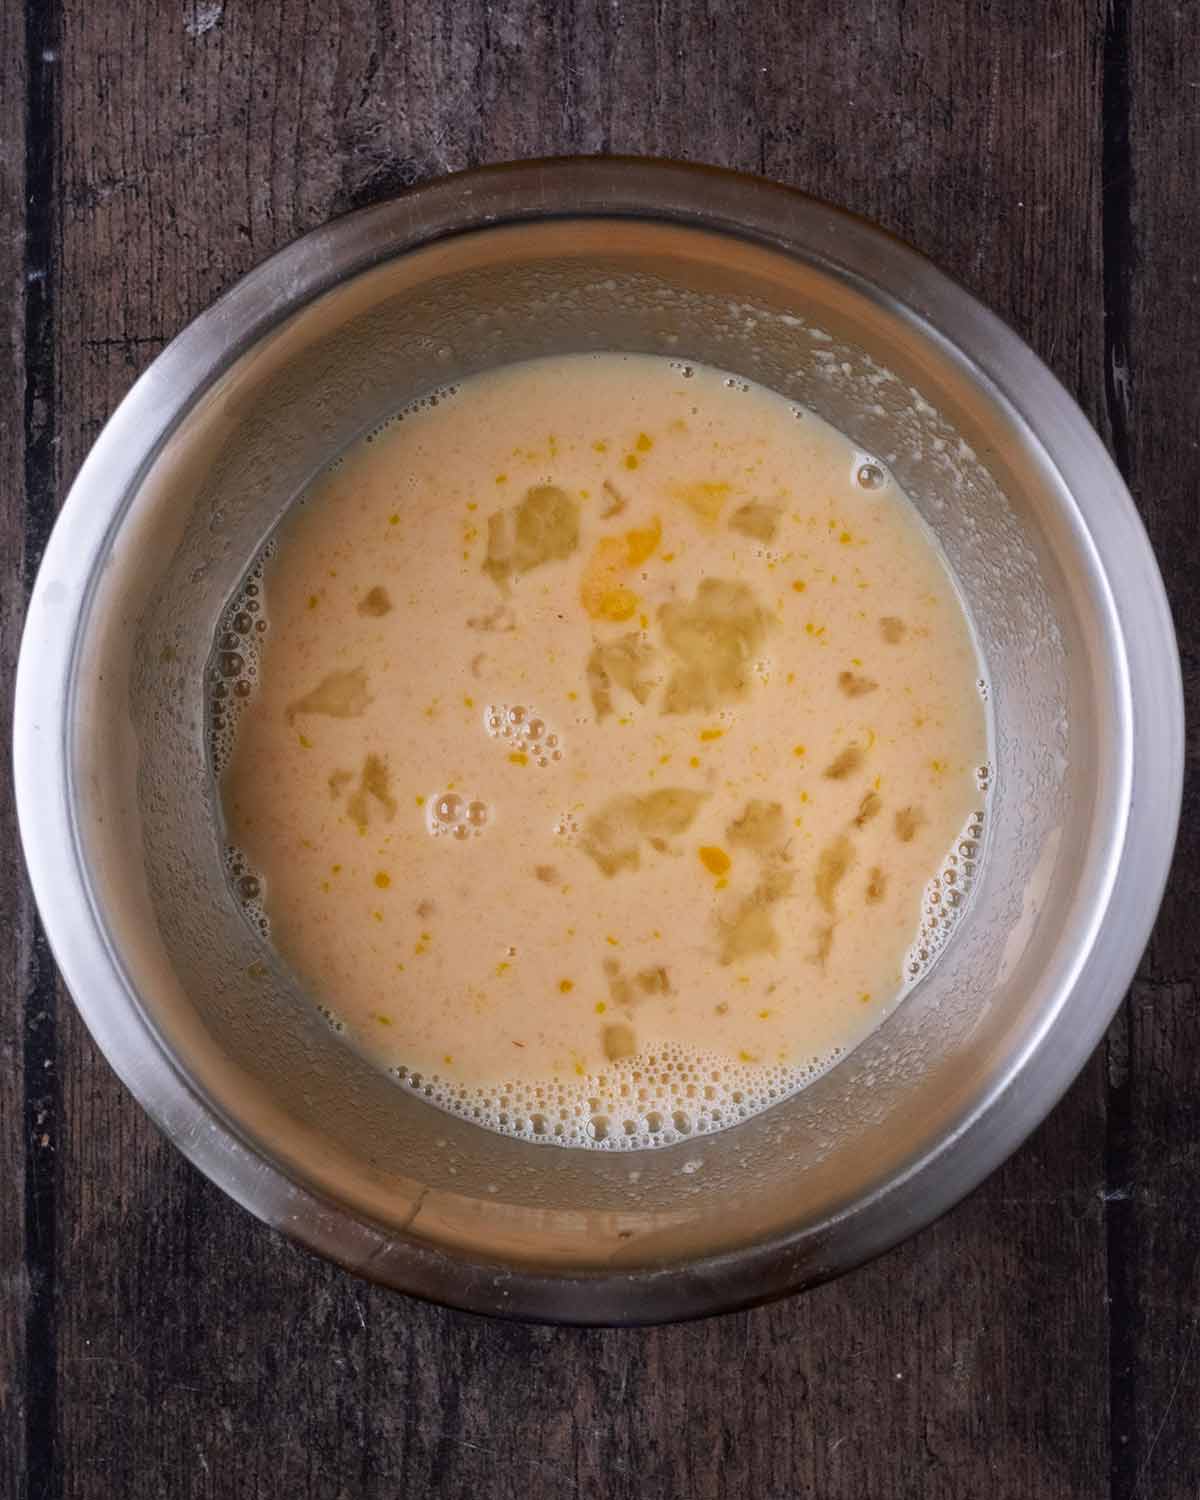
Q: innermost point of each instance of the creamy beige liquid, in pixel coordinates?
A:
(615, 755)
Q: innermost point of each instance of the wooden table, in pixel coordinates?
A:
(1041, 1340)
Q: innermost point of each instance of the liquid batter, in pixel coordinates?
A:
(615, 754)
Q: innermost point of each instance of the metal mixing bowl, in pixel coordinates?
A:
(116, 794)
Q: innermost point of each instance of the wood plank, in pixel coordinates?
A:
(200, 1354)
(27, 1124)
(15, 948)
(1155, 379)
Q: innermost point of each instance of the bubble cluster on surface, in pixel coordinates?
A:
(451, 815)
(421, 403)
(530, 739)
(946, 895)
(670, 1094)
(248, 886)
(233, 664)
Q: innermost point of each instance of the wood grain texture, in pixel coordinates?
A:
(15, 909)
(196, 1353)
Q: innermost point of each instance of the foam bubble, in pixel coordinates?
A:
(248, 886)
(422, 403)
(231, 675)
(674, 1093)
(528, 733)
(869, 473)
(946, 897)
(447, 807)
(459, 817)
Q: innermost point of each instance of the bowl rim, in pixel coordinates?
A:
(708, 198)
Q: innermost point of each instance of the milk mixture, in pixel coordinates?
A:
(614, 758)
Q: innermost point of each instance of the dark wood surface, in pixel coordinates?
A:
(1041, 1340)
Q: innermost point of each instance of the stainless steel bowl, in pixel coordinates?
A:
(200, 460)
